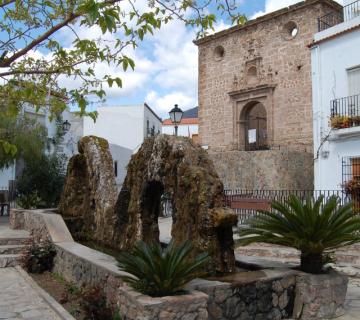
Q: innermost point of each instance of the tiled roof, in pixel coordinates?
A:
(167, 122)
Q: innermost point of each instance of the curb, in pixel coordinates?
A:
(52, 303)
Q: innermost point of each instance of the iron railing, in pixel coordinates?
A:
(246, 203)
(331, 19)
(345, 112)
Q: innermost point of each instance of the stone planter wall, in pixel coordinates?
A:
(320, 296)
(185, 307)
(258, 295)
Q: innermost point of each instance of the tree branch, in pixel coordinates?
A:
(6, 2)
(7, 62)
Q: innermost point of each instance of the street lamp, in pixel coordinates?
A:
(66, 126)
(175, 116)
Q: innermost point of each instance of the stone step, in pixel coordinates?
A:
(9, 260)
(12, 248)
(13, 241)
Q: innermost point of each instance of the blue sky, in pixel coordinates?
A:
(166, 63)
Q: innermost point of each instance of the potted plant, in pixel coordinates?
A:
(340, 122)
(316, 229)
(355, 121)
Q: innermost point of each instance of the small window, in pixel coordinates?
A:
(290, 30)
(219, 53)
(116, 168)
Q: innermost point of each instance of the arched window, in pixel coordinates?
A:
(255, 120)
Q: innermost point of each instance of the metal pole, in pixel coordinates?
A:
(176, 130)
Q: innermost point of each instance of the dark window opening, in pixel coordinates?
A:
(116, 168)
(351, 180)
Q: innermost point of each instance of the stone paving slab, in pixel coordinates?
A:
(21, 298)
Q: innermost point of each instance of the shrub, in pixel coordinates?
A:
(38, 256)
(94, 305)
(161, 272)
(44, 177)
(29, 201)
(313, 227)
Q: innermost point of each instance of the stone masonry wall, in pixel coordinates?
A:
(265, 170)
(270, 297)
(260, 62)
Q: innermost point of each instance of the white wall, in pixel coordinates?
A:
(330, 61)
(123, 126)
(186, 130)
(122, 156)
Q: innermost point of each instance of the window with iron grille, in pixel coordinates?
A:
(351, 179)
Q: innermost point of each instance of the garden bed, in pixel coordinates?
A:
(66, 293)
(82, 304)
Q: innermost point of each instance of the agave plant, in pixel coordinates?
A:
(158, 271)
(313, 227)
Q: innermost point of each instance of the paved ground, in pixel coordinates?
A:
(20, 300)
(6, 232)
(352, 304)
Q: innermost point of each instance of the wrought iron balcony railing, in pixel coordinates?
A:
(331, 19)
(345, 112)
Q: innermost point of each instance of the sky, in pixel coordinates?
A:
(166, 64)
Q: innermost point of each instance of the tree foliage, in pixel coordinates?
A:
(312, 227)
(22, 138)
(33, 57)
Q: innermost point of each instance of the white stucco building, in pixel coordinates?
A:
(336, 100)
(125, 128)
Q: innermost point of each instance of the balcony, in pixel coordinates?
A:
(345, 112)
(331, 19)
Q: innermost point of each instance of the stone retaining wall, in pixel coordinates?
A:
(260, 295)
(265, 170)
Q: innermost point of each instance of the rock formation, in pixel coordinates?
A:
(183, 170)
(90, 193)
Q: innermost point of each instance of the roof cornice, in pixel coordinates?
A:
(267, 17)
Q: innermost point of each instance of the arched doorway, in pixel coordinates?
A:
(254, 118)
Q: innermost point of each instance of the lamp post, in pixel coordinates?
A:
(66, 126)
(175, 115)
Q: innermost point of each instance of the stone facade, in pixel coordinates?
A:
(266, 62)
(265, 170)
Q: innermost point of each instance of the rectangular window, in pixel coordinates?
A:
(354, 81)
(351, 180)
(116, 168)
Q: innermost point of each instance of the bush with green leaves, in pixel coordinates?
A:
(43, 177)
(314, 227)
(38, 256)
(158, 271)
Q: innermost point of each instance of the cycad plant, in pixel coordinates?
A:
(158, 271)
(313, 227)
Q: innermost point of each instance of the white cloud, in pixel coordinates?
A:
(273, 5)
(162, 104)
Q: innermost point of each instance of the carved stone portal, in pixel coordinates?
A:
(183, 170)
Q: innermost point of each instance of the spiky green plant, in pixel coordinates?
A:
(313, 227)
(158, 271)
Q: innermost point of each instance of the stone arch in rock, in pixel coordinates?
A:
(183, 170)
